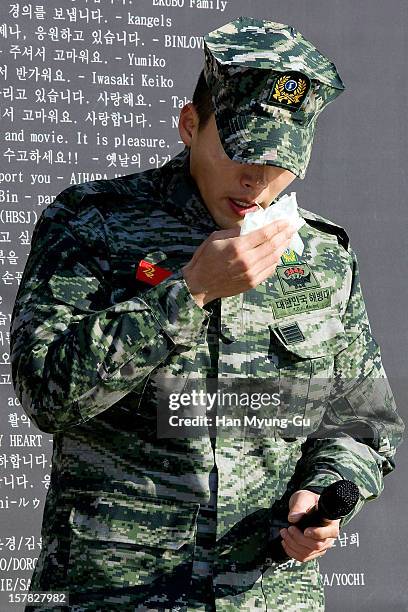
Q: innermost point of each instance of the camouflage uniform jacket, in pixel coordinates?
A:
(129, 517)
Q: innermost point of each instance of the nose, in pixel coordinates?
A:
(254, 175)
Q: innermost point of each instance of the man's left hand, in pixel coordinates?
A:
(315, 541)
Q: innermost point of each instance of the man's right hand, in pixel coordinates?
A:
(227, 264)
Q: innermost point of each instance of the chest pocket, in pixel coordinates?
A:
(302, 354)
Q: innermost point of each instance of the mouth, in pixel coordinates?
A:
(242, 208)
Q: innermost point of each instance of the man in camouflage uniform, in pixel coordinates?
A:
(144, 279)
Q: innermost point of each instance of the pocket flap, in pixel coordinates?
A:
(144, 521)
(312, 336)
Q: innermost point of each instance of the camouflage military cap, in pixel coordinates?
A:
(268, 85)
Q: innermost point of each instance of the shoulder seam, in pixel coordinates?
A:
(331, 228)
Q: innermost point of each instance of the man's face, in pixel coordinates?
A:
(219, 179)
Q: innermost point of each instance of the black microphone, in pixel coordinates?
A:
(335, 501)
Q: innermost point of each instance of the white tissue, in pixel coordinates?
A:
(284, 208)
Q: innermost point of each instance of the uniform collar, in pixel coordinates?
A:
(181, 196)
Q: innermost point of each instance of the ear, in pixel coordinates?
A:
(188, 123)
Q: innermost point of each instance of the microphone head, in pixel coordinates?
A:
(338, 499)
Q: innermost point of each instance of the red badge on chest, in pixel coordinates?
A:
(150, 273)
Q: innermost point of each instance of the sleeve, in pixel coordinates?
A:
(361, 429)
(73, 353)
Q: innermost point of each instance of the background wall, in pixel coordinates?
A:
(357, 177)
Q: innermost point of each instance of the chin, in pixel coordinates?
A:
(231, 224)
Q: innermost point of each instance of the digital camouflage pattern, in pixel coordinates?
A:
(268, 85)
(137, 522)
